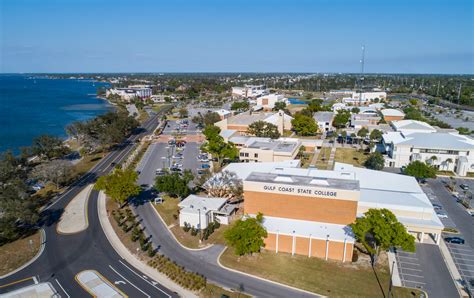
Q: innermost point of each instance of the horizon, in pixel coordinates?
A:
(400, 37)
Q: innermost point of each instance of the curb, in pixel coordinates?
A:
(40, 251)
(86, 202)
(261, 278)
(174, 237)
(123, 252)
(453, 271)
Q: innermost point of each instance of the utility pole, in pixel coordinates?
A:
(361, 84)
(459, 93)
(437, 91)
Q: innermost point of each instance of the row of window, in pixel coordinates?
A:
(246, 154)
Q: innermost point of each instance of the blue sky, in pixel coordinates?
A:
(418, 36)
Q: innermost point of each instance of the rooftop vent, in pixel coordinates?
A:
(283, 179)
(319, 182)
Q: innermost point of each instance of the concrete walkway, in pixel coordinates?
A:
(331, 158)
(129, 257)
(74, 218)
(315, 157)
(37, 290)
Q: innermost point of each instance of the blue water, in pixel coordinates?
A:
(295, 101)
(33, 106)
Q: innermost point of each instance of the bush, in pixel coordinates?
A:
(151, 251)
(355, 256)
(186, 227)
(194, 231)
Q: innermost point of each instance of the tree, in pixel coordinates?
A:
(119, 185)
(57, 171)
(175, 184)
(420, 169)
(264, 130)
(304, 125)
(344, 137)
(19, 212)
(375, 135)
(341, 119)
(240, 106)
(211, 117)
(183, 113)
(49, 147)
(375, 161)
(216, 145)
(355, 110)
(448, 162)
(224, 185)
(280, 105)
(362, 133)
(378, 230)
(246, 236)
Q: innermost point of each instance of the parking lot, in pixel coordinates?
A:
(410, 270)
(458, 218)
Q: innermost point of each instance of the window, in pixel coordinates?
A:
(246, 154)
(255, 155)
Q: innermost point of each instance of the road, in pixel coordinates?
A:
(65, 256)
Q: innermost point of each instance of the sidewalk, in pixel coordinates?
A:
(129, 257)
(74, 219)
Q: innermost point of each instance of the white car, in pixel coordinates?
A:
(441, 215)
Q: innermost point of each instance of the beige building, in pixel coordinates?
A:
(241, 122)
(253, 149)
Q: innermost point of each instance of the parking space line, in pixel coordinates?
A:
(415, 282)
(411, 269)
(409, 263)
(420, 276)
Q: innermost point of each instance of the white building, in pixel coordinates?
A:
(130, 93)
(445, 151)
(241, 122)
(364, 98)
(251, 91)
(411, 126)
(198, 211)
(223, 114)
(324, 120)
(267, 102)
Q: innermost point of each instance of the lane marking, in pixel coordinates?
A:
(153, 285)
(62, 288)
(129, 282)
(16, 282)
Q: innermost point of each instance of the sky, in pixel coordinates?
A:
(400, 36)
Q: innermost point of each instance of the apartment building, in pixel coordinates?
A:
(267, 102)
(130, 93)
(249, 91)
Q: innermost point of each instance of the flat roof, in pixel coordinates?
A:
(323, 182)
(194, 203)
(323, 116)
(392, 112)
(243, 170)
(438, 140)
(275, 145)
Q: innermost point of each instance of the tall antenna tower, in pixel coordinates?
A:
(459, 92)
(361, 76)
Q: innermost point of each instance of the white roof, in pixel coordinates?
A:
(193, 203)
(273, 119)
(414, 125)
(222, 112)
(243, 170)
(393, 112)
(305, 228)
(227, 133)
(435, 140)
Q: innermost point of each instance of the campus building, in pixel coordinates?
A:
(309, 211)
(249, 91)
(363, 98)
(324, 120)
(267, 102)
(253, 149)
(241, 122)
(130, 93)
(392, 114)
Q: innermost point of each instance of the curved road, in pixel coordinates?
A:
(64, 256)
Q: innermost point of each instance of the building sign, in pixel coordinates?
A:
(300, 191)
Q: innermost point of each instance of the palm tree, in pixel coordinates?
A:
(433, 159)
(448, 162)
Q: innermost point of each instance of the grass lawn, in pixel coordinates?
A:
(17, 253)
(86, 163)
(323, 158)
(330, 278)
(445, 173)
(470, 174)
(306, 159)
(213, 291)
(169, 208)
(351, 156)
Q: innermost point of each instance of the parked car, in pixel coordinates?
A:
(175, 170)
(437, 206)
(160, 172)
(205, 166)
(441, 214)
(454, 240)
(464, 187)
(202, 171)
(172, 142)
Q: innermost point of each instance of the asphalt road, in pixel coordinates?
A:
(65, 256)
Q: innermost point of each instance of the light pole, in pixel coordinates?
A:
(200, 230)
